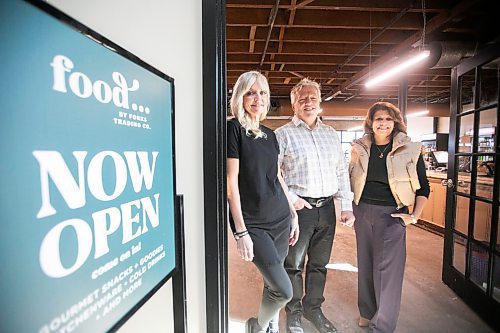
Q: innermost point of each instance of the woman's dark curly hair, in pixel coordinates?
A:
(399, 124)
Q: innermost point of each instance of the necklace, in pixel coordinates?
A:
(382, 151)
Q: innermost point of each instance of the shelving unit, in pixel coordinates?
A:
(433, 142)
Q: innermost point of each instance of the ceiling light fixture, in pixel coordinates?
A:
(417, 57)
(399, 68)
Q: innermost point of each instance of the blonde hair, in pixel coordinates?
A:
(399, 124)
(305, 82)
(241, 87)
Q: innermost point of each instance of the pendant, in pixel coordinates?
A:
(381, 155)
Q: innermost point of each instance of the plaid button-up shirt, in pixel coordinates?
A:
(312, 162)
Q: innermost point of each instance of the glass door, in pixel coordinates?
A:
(471, 265)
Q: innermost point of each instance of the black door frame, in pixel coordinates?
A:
(480, 302)
(214, 163)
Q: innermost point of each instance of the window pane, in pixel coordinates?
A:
(487, 130)
(465, 133)
(486, 144)
(464, 177)
(484, 184)
(496, 279)
(486, 165)
(346, 148)
(488, 90)
(359, 134)
(498, 232)
(459, 251)
(461, 214)
(482, 222)
(348, 136)
(467, 86)
(479, 266)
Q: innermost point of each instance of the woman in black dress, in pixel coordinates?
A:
(263, 221)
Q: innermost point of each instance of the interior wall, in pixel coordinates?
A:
(166, 35)
(419, 126)
(339, 125)
(443, 125)
(356, 109)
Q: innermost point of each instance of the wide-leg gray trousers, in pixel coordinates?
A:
(381, 251)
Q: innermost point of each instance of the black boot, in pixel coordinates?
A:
(293, 323)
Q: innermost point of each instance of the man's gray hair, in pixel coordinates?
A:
(305, 82)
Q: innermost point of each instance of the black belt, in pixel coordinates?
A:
(318, 202)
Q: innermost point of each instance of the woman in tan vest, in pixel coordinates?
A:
(388, 179)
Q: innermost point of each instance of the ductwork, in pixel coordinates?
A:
(447, 54)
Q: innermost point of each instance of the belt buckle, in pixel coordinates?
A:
(319, 202)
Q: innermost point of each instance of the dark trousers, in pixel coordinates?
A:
(270, 250)
(276, 293)
(317, 228)
(381, 249)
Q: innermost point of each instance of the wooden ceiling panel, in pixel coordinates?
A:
(305, 48)
(345, 36)
(340, 43)
(355, 20)
(297, 59)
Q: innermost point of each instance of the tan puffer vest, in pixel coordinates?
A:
(401, 168)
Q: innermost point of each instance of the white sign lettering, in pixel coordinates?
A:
(81, 85)
(131, 217)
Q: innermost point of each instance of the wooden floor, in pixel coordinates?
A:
(428, 305)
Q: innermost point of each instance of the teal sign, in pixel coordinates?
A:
(87, 176)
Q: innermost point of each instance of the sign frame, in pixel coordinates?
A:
(176, 210)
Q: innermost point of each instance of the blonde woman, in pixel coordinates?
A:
(263, 221)
(387, 177)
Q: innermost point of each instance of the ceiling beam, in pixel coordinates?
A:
(296, 59)
(251, 37)
(296, 74)
(322, 19)
(325, 35)
(304, 3)
(347, 5)
(293, 9)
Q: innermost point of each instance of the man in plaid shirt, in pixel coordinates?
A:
(315, 170)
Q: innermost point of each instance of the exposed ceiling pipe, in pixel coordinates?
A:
(368, 43)
(434, 24)
(272, 17)
(447, 54)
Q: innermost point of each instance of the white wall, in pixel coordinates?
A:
(419, 126)
(166, 35)
(444, 125)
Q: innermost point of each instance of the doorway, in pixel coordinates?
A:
(471, 263)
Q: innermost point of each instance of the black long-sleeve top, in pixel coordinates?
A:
(377, 190)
